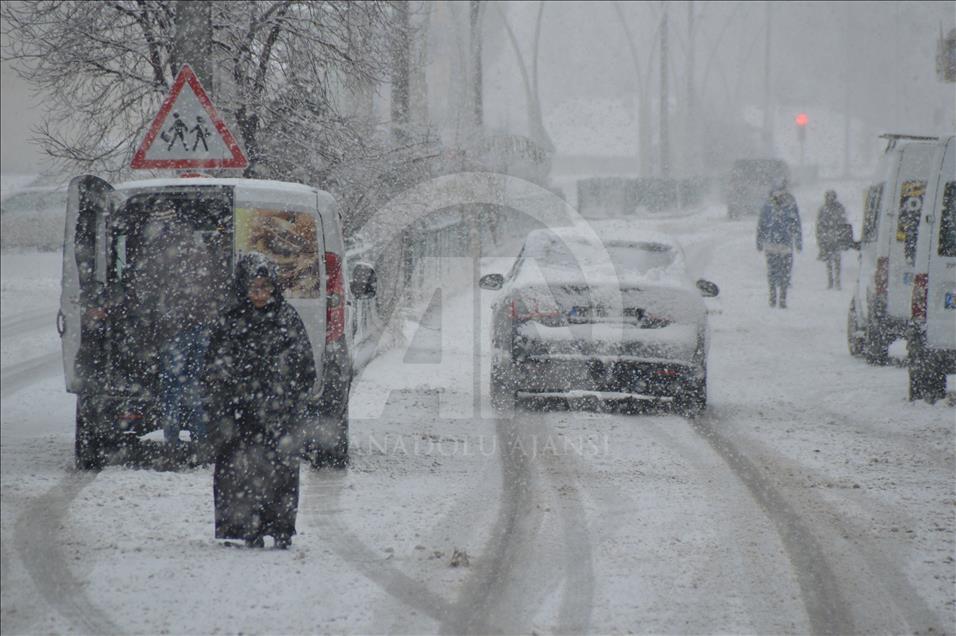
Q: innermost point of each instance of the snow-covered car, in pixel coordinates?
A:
(32, 218)
(144, 251)
(612, 315)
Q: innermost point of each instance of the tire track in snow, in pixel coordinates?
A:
(322, 486)
(23, 374)
(825, 605)
(887, 578)
(512, 536)
(36, 543)
(498, 597)
(489, 601)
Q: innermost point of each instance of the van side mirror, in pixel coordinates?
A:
(363, 281)
(491, 281)
(707, 288)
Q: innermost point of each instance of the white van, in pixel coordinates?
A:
(124, 256)
(932, 337)
(880, 309)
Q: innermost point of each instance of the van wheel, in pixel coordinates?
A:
(89, 449)
(336, 456)
(875, 347)
(854, 342)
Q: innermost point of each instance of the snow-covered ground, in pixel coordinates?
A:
(811, 496)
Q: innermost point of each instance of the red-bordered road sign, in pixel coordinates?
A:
(181, 137)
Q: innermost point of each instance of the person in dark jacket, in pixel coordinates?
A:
(258, 374)
(831, 236)
(778, 233)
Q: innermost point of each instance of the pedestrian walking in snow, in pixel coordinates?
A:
(832, 236)
(778, 233)
(259, 371)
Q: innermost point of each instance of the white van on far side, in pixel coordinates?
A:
(880, 310)
(932, 337)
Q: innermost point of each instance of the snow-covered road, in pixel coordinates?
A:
(812, 497)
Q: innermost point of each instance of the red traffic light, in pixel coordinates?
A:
(801, 119)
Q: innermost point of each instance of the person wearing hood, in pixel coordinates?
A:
(831, 236)
(259, 371)
(778, 233)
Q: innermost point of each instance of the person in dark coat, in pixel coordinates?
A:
(778, 233)
(258, 374)
(831, 236)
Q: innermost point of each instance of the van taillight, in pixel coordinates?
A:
(335, 298)
(920, 296)
(882, 275)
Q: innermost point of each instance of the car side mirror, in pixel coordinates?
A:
(491, 281)
(363, 281)
(707, 288)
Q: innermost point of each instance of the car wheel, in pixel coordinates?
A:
(875, 346)
(854, 342)
(503, 392)
(89, 449)
(692, 401)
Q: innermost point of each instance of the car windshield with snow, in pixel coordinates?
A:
(594, 317)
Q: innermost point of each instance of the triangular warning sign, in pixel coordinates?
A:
(188, 132)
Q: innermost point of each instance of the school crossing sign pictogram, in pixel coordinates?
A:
(188, 132)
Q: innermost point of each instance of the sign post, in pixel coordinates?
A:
(188, 132)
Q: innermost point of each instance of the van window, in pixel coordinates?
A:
(290, 240)
(947, 224)
(911, 208)
(871, 213)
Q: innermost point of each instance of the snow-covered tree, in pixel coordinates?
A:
(281, 70)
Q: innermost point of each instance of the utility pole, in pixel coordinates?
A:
(476, 72)
(192, 43)
(665, 137)
(846, 89)
(767, 102)
(690, 132)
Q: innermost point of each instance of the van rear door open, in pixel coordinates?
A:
(90, 201)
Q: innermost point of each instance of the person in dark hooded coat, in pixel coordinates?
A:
(258, 373)
(831, 236)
